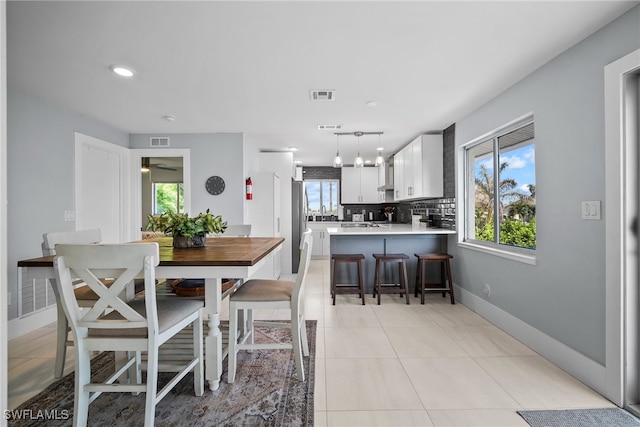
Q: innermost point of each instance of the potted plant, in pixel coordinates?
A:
(187, 232)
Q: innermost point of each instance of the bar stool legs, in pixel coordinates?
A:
(348, 289)
(446, 282)
(403, 287)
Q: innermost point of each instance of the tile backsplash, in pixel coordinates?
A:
(439, 212)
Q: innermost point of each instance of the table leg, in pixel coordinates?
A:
(213, 341)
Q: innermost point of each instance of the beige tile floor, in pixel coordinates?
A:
(390, 365)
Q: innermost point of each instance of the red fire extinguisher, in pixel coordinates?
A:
(249, 185)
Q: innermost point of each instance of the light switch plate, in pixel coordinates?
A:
(69, 216)
(591, 210)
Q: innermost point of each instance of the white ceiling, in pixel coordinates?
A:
(248, 66)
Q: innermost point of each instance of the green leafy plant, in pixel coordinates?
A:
(182, 225)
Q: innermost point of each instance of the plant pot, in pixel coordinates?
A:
(188, 242)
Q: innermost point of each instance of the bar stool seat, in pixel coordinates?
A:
(402, 287)
(347, 289)
(446, 282)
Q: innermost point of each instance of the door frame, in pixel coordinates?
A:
(136, 181)
(621, 211)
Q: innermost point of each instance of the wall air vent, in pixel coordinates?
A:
(159, 141)
(322, 95)
(329, 127)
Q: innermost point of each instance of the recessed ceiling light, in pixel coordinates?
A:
(367, 161)
(371, 103)
(169, 118)
(292, 148)
(122, 70)
(380, 148)
(297, 162)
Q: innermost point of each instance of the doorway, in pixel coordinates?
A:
(164, 165)
(622, 203)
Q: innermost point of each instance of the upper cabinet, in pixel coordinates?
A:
(418, 170)
(359, 185)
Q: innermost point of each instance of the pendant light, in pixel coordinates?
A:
(358, 162)
(379, 158)
(337, 162)
(145, 164)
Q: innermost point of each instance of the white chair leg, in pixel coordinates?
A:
(83, 378)
(198, 371)
(297, 350)
(61, 344)
(303, 336)
(248, 313)
(152, 387)
(233, 341)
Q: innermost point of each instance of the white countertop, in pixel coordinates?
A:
(385, 229)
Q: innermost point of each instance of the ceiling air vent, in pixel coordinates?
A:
(159, 141)
(322, 95)
(329, 127)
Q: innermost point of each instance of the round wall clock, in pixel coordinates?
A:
(215, 185)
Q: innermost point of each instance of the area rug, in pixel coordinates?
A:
(607, 417)
(265, 393)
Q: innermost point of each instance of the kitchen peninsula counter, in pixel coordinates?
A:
(358, 238)
(382, 229)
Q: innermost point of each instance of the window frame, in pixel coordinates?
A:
(467, 211)
(321, 181)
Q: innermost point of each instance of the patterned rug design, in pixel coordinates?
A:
(265, 393)
(606, 417)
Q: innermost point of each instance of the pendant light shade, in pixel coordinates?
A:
(358, 162)
(145, 164)
(379, 158)
(337, 161)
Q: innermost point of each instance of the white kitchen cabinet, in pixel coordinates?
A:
(359, 185)
(398, 176)
(320, 248)
(418, 169)
(265, 218)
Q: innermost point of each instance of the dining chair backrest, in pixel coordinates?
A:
(240, 230)
(122, 262)
(82, 237)
(303, 266)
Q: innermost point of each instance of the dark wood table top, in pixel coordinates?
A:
(218, 251)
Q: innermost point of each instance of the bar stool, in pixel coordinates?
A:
(347, 289)
(402, 287)
(445, 275)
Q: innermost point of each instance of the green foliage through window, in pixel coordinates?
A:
(501, 182)
(168, 197)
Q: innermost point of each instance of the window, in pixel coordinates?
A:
(168, 196)
(322, 196)
(501, 189)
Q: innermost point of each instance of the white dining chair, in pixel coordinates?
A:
(271, 294)
(84, 295)
(113, 324)
(237, 230)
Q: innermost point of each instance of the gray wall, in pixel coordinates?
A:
(211, 154)
(564, 294)
(40, 174)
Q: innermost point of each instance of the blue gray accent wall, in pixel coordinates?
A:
(40, 172)
(563, 295)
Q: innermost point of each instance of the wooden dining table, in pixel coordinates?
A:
(221, 257)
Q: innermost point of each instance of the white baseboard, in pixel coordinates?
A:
(569, 360)
(19, 327)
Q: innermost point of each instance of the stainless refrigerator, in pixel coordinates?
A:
(298, 221)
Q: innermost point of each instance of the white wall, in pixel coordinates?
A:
(3, 209)
(563, 296)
